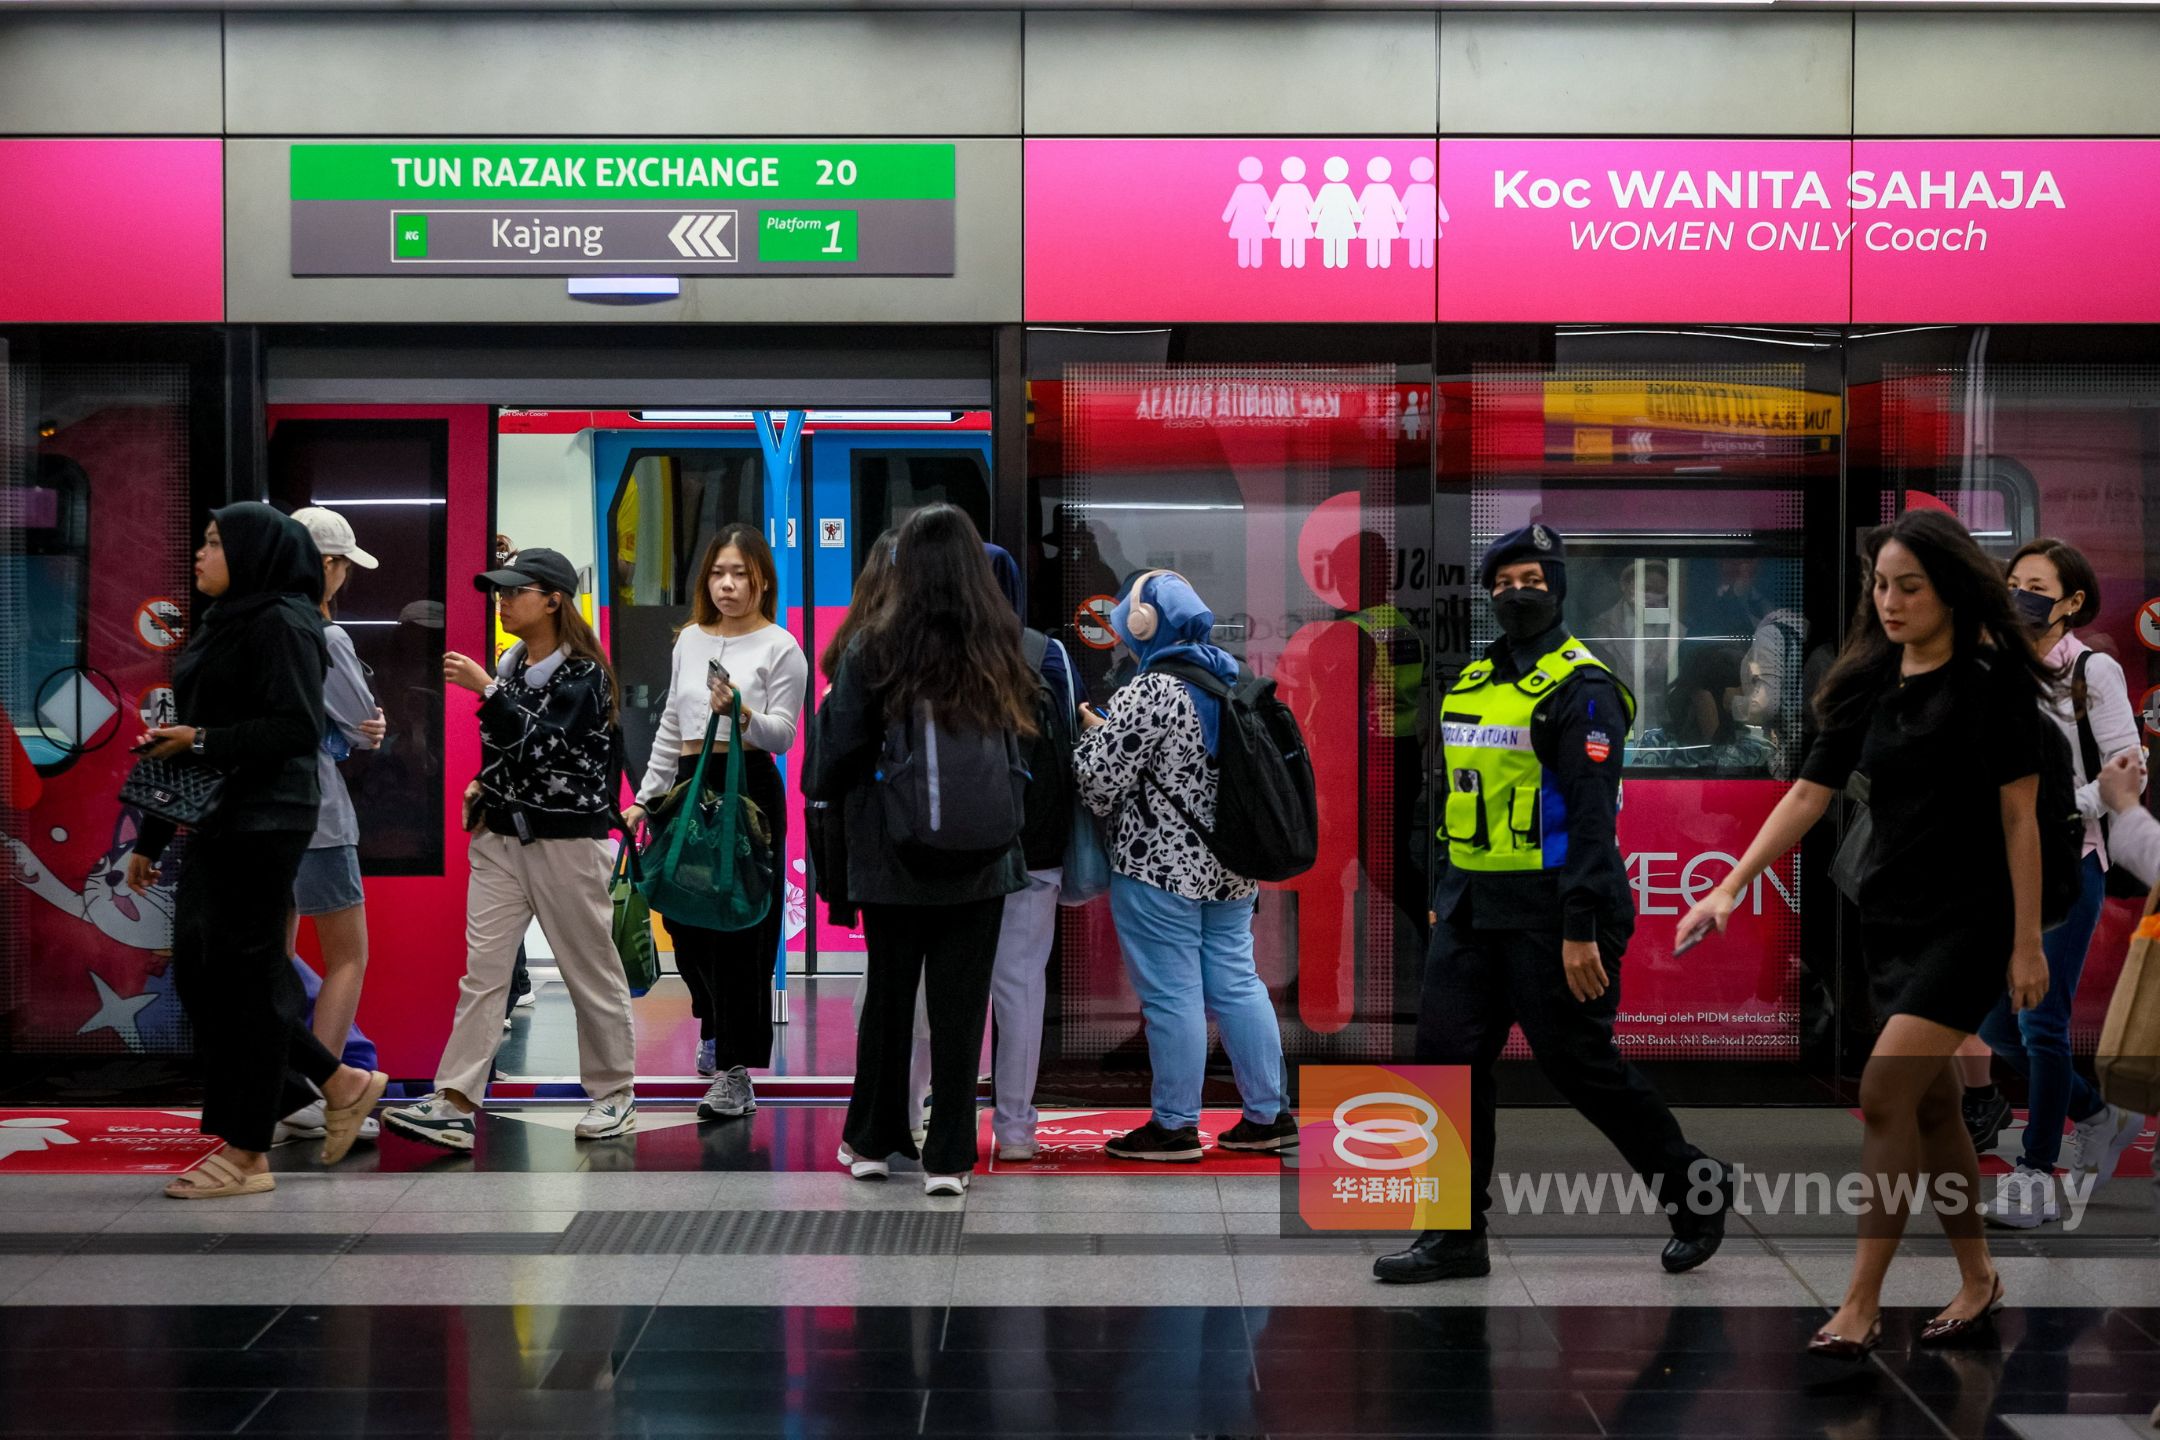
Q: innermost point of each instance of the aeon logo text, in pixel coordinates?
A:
(1656, 873)
(1387, 1130)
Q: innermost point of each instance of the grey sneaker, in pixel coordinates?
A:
(2097, 1146)
(614, 1114)
(708, 1057)
(730, 1097)
(434, 1120)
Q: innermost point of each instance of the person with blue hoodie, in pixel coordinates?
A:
(1184, 920)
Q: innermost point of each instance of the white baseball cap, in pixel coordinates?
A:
(334, 535)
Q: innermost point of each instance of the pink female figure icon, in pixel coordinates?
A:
(1335, 215)
(1421, 204)
(1247, 214)
(1290, 213)
(1382, 215)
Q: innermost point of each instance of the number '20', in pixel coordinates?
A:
(828, 172)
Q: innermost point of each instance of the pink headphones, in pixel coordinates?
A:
(1141, 618)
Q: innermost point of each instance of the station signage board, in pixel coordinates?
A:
(712, 208)
(1757, 231)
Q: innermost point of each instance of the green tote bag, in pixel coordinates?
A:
(633, 924)
(709, 860)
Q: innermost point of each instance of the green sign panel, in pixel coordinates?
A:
(716, 170)
(712, 207)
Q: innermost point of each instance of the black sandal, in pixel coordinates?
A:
(1940, 1332)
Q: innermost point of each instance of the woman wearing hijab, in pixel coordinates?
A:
(1184, 920)
(249, 690)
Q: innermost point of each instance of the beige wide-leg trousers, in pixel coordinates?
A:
(564, 884)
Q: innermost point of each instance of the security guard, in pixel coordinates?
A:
(1532, 907)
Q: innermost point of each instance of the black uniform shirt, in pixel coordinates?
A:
(1579, 734)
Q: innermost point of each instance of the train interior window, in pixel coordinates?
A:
(891, 485)
(390, 479)
(48, 557)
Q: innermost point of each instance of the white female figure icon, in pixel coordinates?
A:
(1335, 215)
(1246, 214)
(1290, 213)
(1382, 216)
(1421, 203)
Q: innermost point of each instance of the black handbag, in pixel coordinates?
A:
(183, 790)
(1850, 866)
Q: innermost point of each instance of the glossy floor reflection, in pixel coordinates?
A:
(544, 1369)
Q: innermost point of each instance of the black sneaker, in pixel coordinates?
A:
(1277, 1134)
(1152, 1142)
(1986, 1113)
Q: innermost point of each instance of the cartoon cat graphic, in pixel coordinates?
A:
(141, 922)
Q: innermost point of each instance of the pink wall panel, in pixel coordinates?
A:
(112, 230)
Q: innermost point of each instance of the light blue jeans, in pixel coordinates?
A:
(1191, 961)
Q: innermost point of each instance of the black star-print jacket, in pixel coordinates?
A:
(549, 751)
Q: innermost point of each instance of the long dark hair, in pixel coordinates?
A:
(579, 639)
(947, 635)
(1969, 583)
(873, 590)
(756, 554)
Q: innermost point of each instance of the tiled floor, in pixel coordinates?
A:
(729, 1280)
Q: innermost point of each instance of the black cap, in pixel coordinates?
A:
(1538, 542)
(533, 567)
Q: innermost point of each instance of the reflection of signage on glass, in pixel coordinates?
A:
(1694, 405)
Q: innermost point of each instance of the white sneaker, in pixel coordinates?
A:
(944, 1184)
(2023, 1199)
(614, 1114)
(306, 1123)
(1018, 1152)
(529, 999)
(2096, 1146)
(435, 1120)
(506, 1023)
(863, 1169)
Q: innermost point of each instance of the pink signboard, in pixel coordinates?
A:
(1197, 230)
(2006, 231)
(112, 230)
(1614, 230)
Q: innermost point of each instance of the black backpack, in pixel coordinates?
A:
(1267, 818)
(952, 799)
(1048, 802)
(2062, 828)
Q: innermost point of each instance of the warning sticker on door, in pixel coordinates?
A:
(832, 534)
(1092, 621)
(2149, 624)
(160, 624)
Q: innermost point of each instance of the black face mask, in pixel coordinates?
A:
(2038, 609)
(1526, 614)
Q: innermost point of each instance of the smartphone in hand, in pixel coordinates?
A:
(716, 673)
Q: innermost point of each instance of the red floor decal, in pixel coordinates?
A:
(101, 1142)
(1072, 1143)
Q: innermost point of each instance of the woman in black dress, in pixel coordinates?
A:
(1935, 699)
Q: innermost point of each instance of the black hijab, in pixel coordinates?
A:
(273, 567)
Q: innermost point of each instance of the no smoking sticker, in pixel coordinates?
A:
(159, 624)
(2149, 710)
(2149, 624)
(1092, 621)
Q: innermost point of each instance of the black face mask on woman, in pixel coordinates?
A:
(2038, 609)
(1526, 614)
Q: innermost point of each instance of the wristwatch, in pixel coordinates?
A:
(202, 737)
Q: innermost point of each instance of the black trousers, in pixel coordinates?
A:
(730, 972)
(952, 948)
(1477, 984)
(237, 985)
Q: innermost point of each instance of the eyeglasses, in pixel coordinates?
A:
(506, 591)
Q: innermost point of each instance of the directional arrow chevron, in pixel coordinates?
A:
(704, 236)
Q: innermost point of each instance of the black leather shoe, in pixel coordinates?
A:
(1436, 1255)
(1697, 1237)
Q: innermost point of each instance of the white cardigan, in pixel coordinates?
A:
(770, 673)
(2114, 725)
